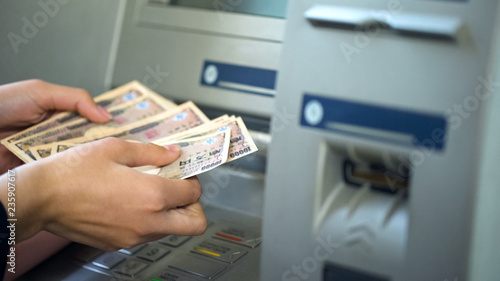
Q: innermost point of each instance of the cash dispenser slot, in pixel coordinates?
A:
(377, 176)
(365, 177)
(362, 205)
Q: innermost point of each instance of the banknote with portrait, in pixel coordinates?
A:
(126, 114)
(140, 115)
(109, 100)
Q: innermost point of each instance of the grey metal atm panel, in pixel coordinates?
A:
(166, 48)
(417, 62)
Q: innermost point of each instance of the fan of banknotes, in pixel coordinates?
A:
(141, 115)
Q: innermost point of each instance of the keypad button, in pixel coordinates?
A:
(85, 254)
(108, 260)
(174, 240)
(218, 250)
(197, 266)
(130, 268)
(171, 276)
(131, 251)
(246, 238)
(153, 253)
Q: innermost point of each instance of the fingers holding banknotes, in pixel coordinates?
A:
(28, 102)
(107, 192)
(106, 203)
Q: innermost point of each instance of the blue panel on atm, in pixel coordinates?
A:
(240, 78)
(380, 123)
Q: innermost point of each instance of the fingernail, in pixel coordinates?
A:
(104, 112)
(173, 147)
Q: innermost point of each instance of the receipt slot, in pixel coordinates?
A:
(375, 175)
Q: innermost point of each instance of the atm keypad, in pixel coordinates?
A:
(133, 250)
(216, 250)
(175, 258)
(246, 238)
(170, 276)
(174, 240)
(197, 266)
(153, 253)
(130, 268)
(108, 260)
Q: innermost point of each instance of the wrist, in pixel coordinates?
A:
(23, 189)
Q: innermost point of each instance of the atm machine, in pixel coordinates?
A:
(376, 176)
(377, 119)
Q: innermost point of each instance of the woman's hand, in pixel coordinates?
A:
(90, 194)
(29, 102)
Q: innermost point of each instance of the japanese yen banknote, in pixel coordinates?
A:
(141, 115)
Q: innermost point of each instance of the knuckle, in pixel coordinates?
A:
(132, 240)
(36, 82)
(112, 143)
(125, 245)
(154, 199)
(200, 226)
(150, 197)
(195, 225)
(84, 149)
(196, 194)
(82, 92)
(138, 230)
(196, 190)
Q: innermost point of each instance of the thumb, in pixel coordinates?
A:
(142, 154)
